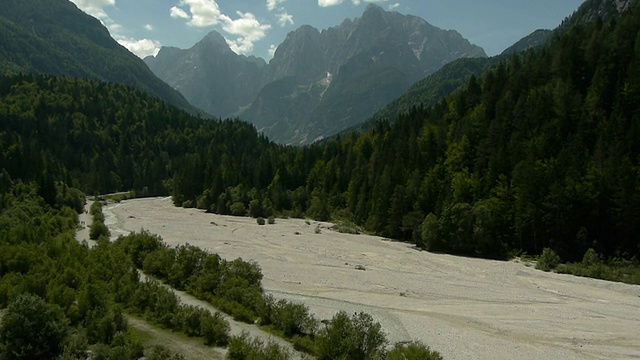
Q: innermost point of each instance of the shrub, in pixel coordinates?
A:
(159, 352)
(271, 220)
(590, 258)
(215, 329)
(97, 230)
(242, 347)
(355, 338)
(345, 227)
(32, 329)
(288, 317)
(413, 351)
(548, 261)
(238, 209)
(260, 221)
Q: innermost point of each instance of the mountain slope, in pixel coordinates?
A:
(435, 87)
(530, 41)
(361, 65)
(210, 75)
(55, 37)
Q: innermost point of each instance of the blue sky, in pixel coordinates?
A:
(256, 27)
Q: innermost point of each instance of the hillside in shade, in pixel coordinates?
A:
(55, 37)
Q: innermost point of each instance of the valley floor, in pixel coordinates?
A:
(464, 308)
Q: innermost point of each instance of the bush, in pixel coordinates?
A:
(590, 258)
(32, 329)
(238, 209)
(355, 338)
(97, 230)
(241, 348)
(215, 329)
(548, 261)
(260, 221)
(271, 220)
(413, 351)
(288, 317)
(159, 352)
(345, 227)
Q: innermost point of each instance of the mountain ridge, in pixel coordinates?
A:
(321, 65)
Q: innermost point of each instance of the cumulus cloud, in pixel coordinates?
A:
(95, 8)
(178, 13)
(203, 13)
(327, 3)
(142, 47)
(285, 19)
(247, 29)
(273, 4)
(272, 50)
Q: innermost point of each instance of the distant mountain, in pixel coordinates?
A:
(530, 41)
(210, 75)
(319, 82)
(340, 76)
(592, 9)
(55, 37)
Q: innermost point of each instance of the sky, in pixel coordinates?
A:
(256, 27)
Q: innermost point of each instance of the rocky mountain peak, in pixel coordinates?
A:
(213, 41)
(372, 59)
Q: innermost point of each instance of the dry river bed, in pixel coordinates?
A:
(464, 308)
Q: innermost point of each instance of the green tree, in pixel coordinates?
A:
(32, 329)
(356, 337)
(548, 261)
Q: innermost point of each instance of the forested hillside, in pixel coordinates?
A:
(55, 37)
(541, 151)
(103, 137)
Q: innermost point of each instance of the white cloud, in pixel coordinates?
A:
(272, 50)
(142, 47)
(95, 8)
(358, 2)
(247, 29)
(285, 19)
(178, 13)
(394, 6)
(273, 4)
(114, 28)
(204, 13)
(327, 3)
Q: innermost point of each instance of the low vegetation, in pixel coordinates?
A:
(60, 298)
(593, 266)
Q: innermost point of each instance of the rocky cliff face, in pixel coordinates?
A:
(210, 75)
(318, 82)
(340, 76)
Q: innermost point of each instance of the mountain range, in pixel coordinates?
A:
(318, 82)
